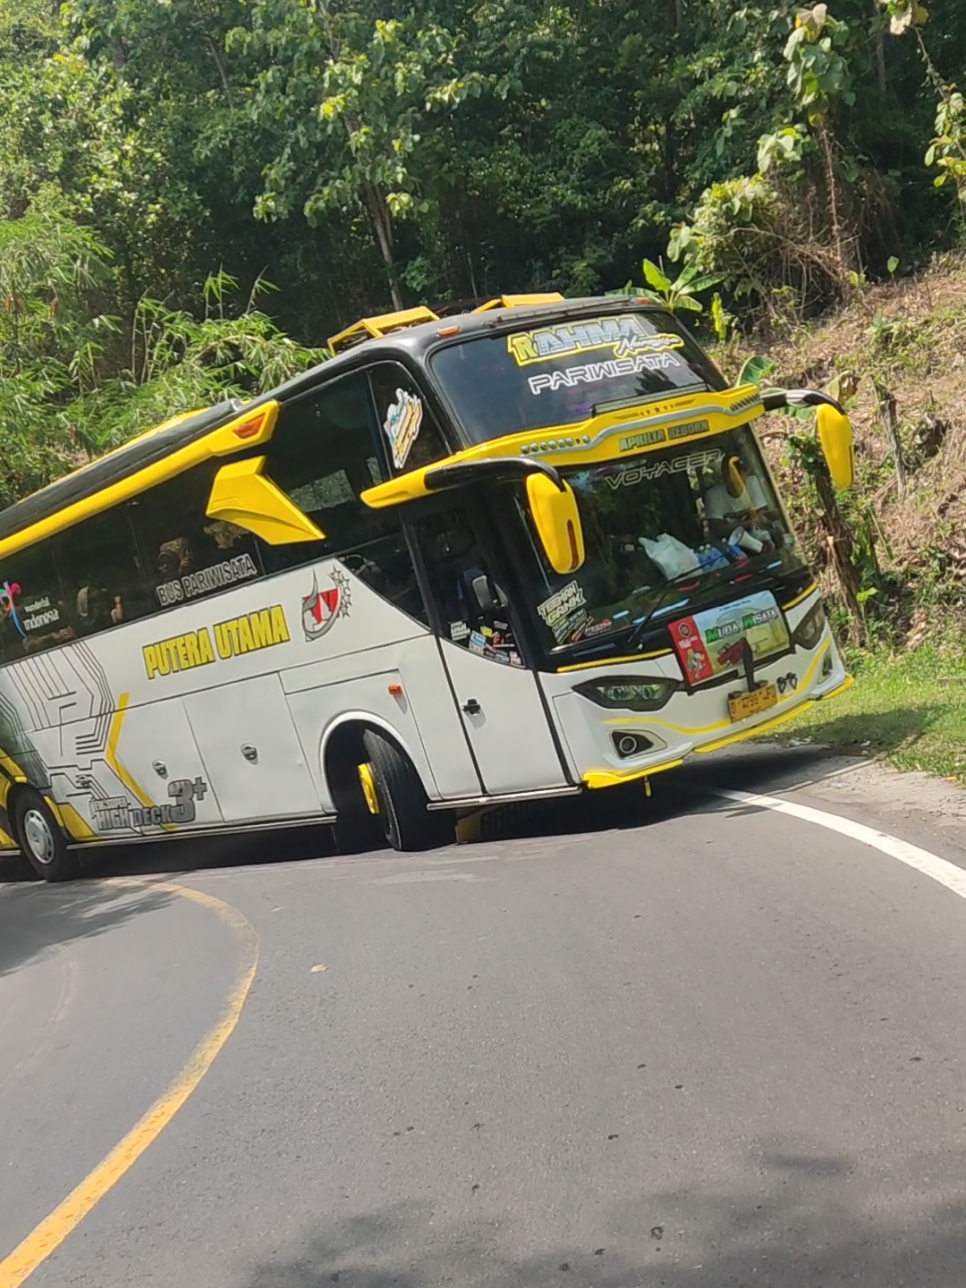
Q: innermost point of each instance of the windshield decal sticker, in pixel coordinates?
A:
(261, 629)
(594, 372)
(625, 336)
(686, 430)
(564, 612)
(694, 462)
(712, 642)
(403, 420)
(647, 438)
(322, 608)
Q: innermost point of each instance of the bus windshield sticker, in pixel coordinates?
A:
(261, 629)
(625, 336)
(626, 475)
(713, 642)
(564, 611)
(321, 609)
(593, 373)
(403, 420)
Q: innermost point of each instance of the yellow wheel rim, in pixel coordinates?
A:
(368, 785)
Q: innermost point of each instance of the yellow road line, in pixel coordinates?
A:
(54, 1229)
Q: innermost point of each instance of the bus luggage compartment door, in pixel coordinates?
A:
(252, 754)
(505, 722)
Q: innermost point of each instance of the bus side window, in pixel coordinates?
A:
(185, 554)
(471, 607)
(323, 454)
(412, 435)
(103, 580)
(33, 608)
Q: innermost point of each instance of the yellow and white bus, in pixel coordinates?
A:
(527, 551)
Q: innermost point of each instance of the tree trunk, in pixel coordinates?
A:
(843, 252)
(880, 60)
(889, 417)
(382, 227)
(838, 541)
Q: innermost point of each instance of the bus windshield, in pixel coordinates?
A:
(662, 529)
(564, 372)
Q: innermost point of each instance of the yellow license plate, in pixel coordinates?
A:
(743, 705)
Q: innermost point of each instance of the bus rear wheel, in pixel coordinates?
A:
(41, 839)
(406, 821)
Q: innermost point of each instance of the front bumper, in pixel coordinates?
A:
(690, 722)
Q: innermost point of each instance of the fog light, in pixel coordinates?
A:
(827, 665)
(630, 744)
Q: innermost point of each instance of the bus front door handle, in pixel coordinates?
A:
(472, 707)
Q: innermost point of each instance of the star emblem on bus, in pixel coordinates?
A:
(321, 609)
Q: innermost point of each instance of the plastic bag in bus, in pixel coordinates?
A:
(672, 556)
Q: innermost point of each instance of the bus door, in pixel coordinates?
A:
(497, 695)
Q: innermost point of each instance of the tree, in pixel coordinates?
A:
(353, 97)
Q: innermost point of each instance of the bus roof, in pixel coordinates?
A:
(390, 335)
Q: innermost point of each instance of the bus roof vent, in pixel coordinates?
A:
(372, 328)
(516, 301)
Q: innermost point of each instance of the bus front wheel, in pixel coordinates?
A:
(41, 839)
(401, 799)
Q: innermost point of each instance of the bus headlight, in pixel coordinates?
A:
(628, 693)
(809, 630)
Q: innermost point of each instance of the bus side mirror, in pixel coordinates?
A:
(835, 436)
(553, 508)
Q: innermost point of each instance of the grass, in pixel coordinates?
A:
(908, 708)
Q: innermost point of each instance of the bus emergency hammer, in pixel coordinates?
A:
(775, 399)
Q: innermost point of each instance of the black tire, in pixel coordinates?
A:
(41, 840)
(406, 822)
(356, 831)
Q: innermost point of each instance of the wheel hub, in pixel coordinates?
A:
(38, 836)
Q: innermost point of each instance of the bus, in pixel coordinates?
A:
(528, 550)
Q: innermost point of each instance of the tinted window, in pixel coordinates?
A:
(412, 435)
(101, 573)
(471, 608)
(186, 555)
(565, 372)
(33, 608)
(387, 568)
(323, 454)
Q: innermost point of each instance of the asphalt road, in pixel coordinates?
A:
(696, 1045)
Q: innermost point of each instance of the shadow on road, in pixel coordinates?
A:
(796, 1218)
(34, 918)
(685, 790)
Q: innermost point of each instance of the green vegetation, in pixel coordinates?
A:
(783, 175)
(910, 710)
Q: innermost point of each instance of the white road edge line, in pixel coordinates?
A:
(930, 865)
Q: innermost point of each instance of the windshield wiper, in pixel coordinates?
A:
(694, 574)
(735, 573)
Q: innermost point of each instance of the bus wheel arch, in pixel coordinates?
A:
(42, 840)
(377, 791)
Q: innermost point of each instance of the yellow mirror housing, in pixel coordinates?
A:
(557, 521)
(242, 495)
(836, 438)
